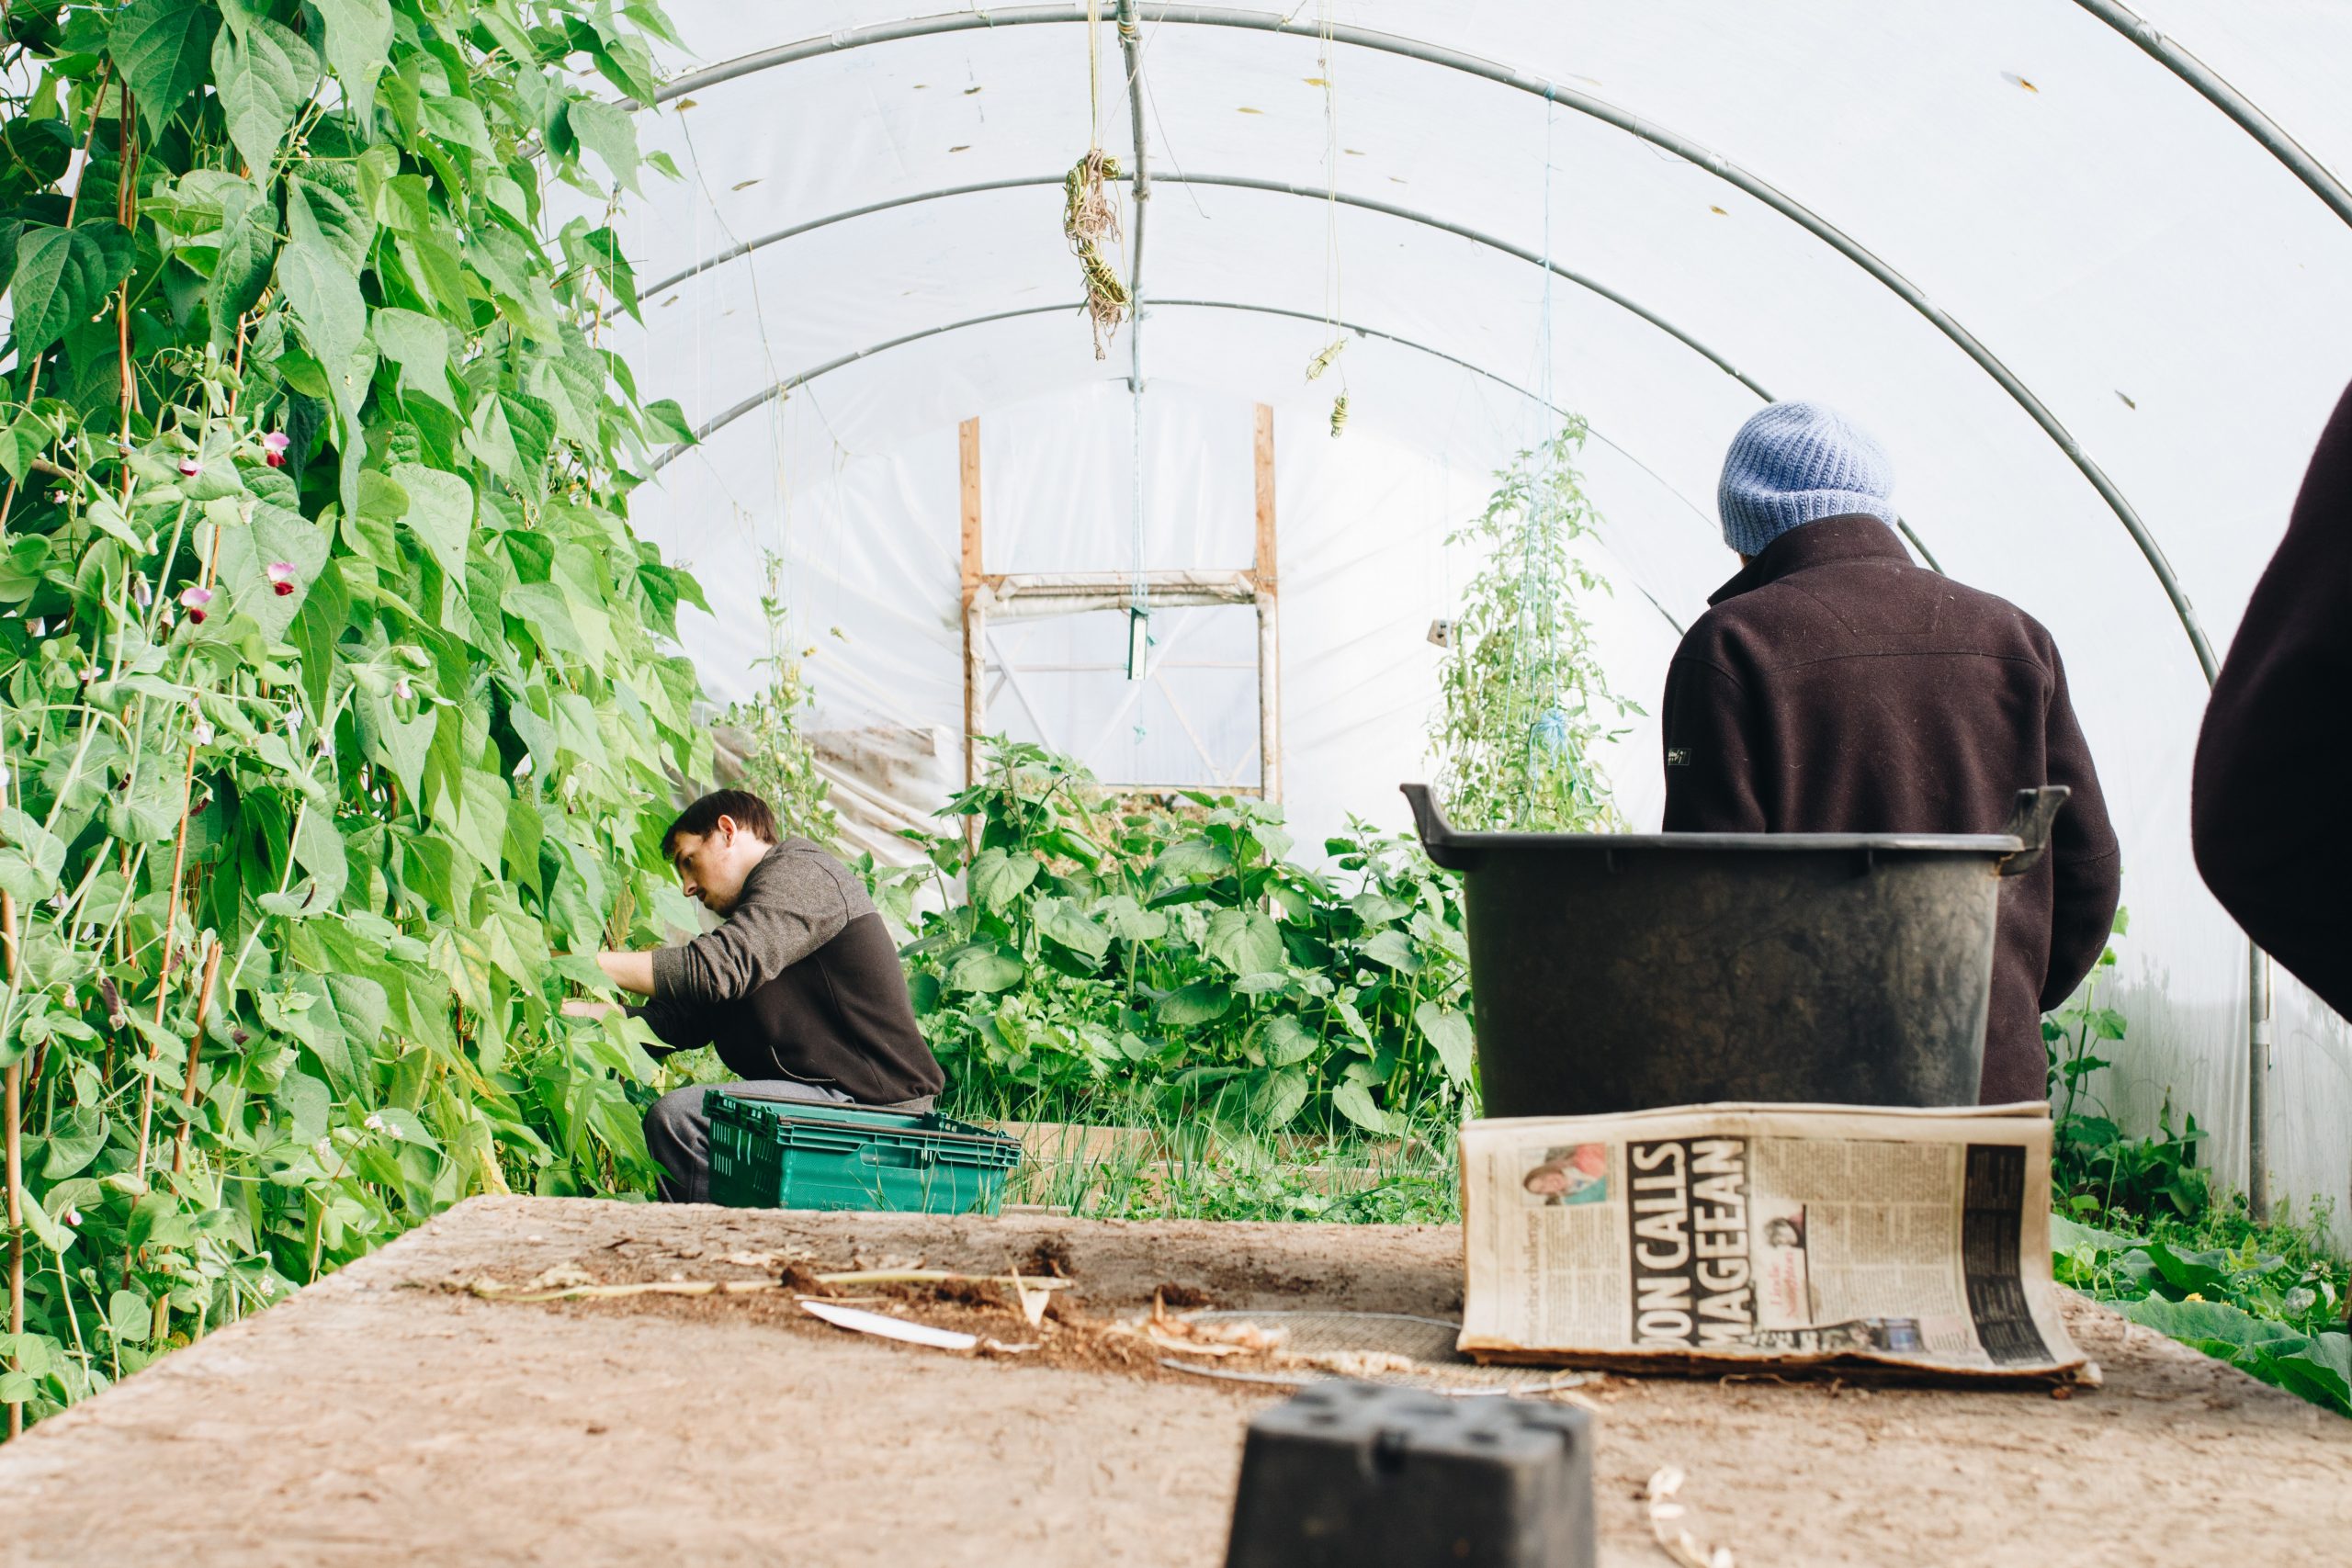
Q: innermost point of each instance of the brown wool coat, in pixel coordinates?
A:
(1835, 687)
(2275, 761)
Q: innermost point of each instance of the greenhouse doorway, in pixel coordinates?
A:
(1193, 703)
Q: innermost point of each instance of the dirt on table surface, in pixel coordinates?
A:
(392, 1415)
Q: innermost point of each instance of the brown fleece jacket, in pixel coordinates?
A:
(1836, 687)
(802, 982)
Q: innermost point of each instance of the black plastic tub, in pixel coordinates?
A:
(1618, 972)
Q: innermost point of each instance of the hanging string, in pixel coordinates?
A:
(1545, 724)
(1330, 354)
(1549, 739)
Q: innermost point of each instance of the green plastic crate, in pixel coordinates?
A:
(782, 1154)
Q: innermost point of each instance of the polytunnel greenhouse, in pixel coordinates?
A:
(1377, 783)
(2085, 284)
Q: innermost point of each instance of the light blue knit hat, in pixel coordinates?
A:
(1798, 463)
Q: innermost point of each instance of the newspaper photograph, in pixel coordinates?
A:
(1735, 1235)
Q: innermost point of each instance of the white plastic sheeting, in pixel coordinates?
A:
(2178, 299)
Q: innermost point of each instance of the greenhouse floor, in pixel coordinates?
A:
(390, 1415)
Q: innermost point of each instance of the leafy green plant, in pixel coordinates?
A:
(777, 764)
(2275, 1315)
(1182, 960)
(2141, 1225)
(336, 690)
(2093, 1165)
(1523, 692)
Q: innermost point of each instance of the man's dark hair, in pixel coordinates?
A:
(750, 812)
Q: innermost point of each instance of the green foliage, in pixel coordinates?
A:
(326, 653)
(1179, 963)
(2140, 1224)
(1168, 1163)
(777, 764)
(2094, 1165)
(1250, 1184)
(2275, 1315)
(1523, 692)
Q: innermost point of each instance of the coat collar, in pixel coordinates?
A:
(1857, 538)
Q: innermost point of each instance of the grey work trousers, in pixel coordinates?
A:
(677, 1130)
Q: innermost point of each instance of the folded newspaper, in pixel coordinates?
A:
(1723, 1236)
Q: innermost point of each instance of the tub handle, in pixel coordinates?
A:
(2030, 823)
(1437, 834)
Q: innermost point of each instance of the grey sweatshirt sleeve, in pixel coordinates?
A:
(793, 903)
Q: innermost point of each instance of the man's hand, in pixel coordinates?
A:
(630, 971)
(582, 1007)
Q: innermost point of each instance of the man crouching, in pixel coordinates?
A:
(800, 989)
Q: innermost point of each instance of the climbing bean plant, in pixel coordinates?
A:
(1524, 701)
(338, 704)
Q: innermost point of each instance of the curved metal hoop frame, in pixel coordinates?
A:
(1567, 97)
(737, 252)
(753, 404)
(1235, 182)
(2210, 85)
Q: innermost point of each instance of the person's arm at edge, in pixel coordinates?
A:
(2264, 811)
(630, 971)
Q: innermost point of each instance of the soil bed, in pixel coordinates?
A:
(393, 1414)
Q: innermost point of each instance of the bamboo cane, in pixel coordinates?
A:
(187, 1111)
(171, 946)
(195, 1044)
(15, 1156)
(172, 916)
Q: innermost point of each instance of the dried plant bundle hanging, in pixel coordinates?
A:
(1089, 219)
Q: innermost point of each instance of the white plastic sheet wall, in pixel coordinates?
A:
(2178, 299)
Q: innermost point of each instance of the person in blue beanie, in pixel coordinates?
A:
(1836, 687)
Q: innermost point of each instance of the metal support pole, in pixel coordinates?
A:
(1131, 50)
(2257, 1083)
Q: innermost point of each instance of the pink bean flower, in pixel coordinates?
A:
(281, 578)
(191, 467)
(273, 449)
(194, 599)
